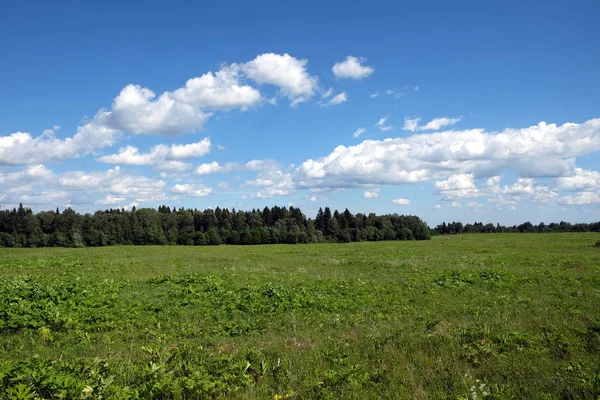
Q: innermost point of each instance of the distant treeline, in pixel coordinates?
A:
(20, 227)
(453, 228)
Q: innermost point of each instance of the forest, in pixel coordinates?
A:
(20, 227)
(453, 228)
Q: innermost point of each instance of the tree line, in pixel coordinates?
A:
(20, 227)
(453, 228)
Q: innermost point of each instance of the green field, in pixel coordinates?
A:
(498, 316)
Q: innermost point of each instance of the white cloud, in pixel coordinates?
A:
(110, 200)
(191, 190)
(284, 71)
(37, 185)
(456, 204)
(523, 188)
(401, 201)
(271, 180)
(493, 181)
(582, 180)
(327, 94)
(438, 123)
(437, 207)
(21, 148)
(352, 68)
(218, 91)
(338, 99)
(396, 94)
(412, 124)
(474, 206)
(359, 132)
(583, 198)
(214, 167)
(439, 155)
(371, 194)
(209, 168)
(115, 182)
(137, 110)
(373, 95)
(161, 156)
(457, 186)
(381, 124)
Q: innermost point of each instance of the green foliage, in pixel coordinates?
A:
(147, 226)
(458, 317)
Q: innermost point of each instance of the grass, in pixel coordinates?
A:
(500, 316)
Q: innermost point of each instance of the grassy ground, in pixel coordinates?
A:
(471, 316)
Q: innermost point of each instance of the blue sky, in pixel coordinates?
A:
(447, 110)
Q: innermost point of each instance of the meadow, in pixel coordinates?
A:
(494, 316)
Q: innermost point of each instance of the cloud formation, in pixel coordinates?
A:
(430, 156)
(352, 68)
(412, 124)
(161, 156)
(381, 124)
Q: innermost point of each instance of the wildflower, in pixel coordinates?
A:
(278, 397)
(87, 391)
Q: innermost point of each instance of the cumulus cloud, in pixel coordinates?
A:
(581, 180)
(21, 148)
(209, 168)
(161, 156)
(373, 95)
(431, 156)
(110, 200)
(220, 90)
(456, 204)
(371, 194)
(37, 185)
(381, 124)
(115, 182)
(191, 190)
(214, 167)
(352, 68)
(401, 202)
(271, 180)
(437, 207)
(286, 72)
(458, 186)
(583, 198)
(139, 110)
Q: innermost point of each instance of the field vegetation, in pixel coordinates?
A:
(500, 316)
